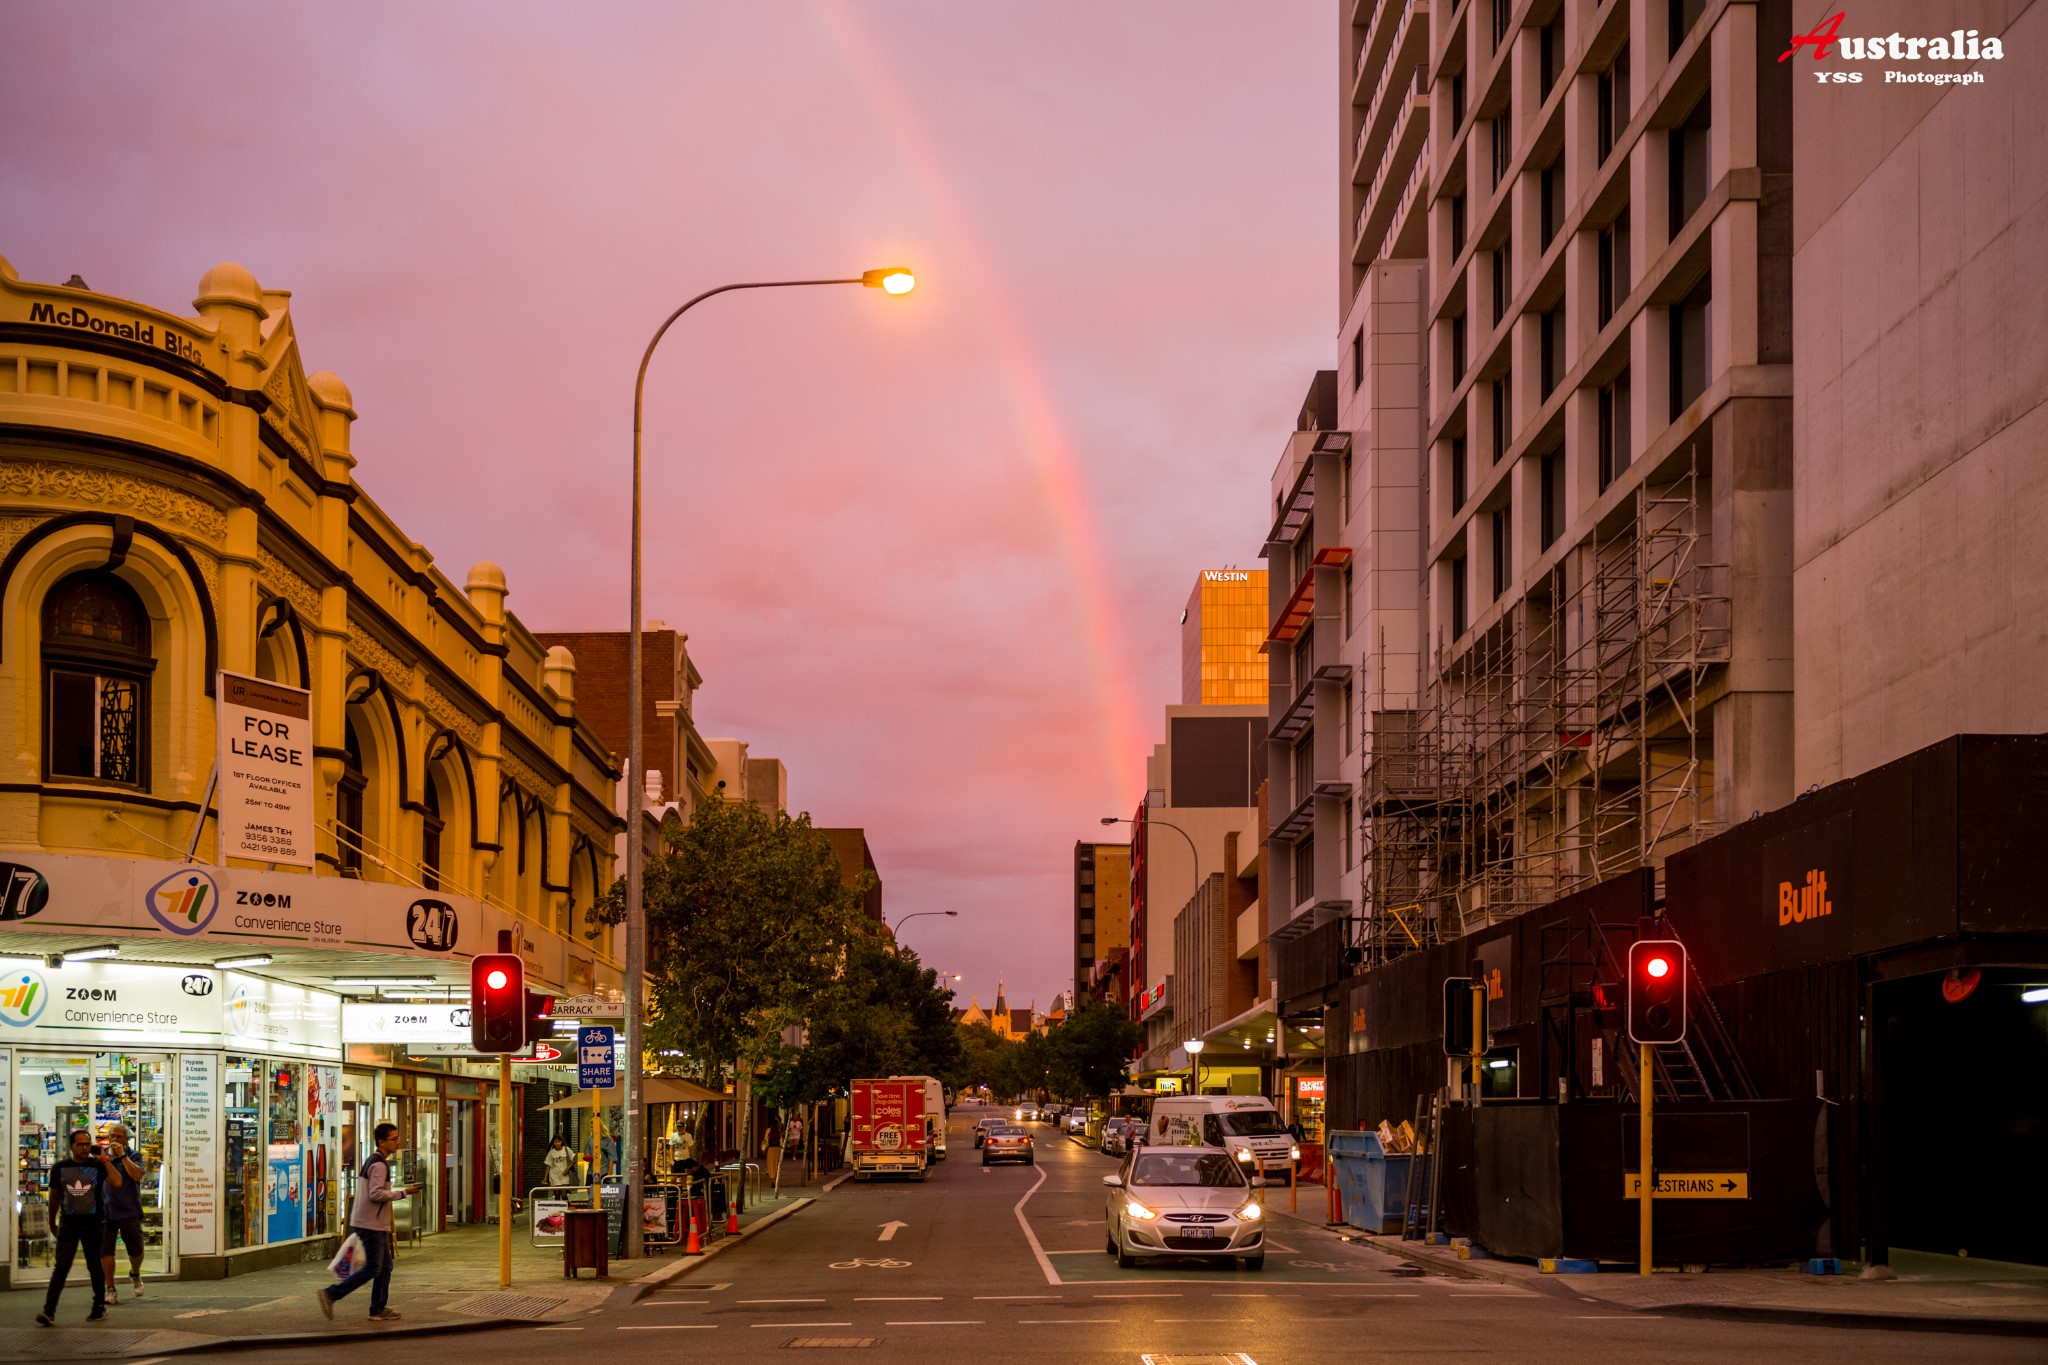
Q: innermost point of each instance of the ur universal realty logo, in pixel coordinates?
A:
(1828, 43)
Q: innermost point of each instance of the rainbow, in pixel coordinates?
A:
(1051, 452)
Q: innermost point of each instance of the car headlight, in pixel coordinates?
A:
(1139, 1211)
(1244, 1154)
(1250, 1213)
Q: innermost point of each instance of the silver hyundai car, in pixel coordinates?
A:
(1183, 1201)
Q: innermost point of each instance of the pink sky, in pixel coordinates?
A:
(930, 552)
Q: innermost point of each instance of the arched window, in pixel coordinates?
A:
(348, 806)
(96, 667)
(430, 844)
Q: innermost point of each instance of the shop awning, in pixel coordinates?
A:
(653, 1090)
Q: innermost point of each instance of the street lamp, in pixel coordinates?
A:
(1149, 823)
(1194, 1047)
(898, 930)
(890, 280)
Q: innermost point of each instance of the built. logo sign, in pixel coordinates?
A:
(1805, 901)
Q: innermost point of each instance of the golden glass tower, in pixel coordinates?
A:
(1220, 635)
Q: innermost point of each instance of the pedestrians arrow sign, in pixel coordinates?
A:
(1690, 1185)
(889, 1231)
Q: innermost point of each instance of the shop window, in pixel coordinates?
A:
(96, 667)
(348, 805)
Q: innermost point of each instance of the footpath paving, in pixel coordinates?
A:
(1928, 1293)
(446, 1284)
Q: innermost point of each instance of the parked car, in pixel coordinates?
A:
(1007, 1142)
(981, 1128)
(1171, 1202)
(1051, 1112)
(1116, 1136)
(1076, 1120)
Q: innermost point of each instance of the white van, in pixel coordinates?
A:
(1246, 1124)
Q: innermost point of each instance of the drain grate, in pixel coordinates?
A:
(44, 1343)
(831, 1341)
(507, 1306)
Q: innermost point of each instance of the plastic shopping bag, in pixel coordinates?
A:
(345, 1261)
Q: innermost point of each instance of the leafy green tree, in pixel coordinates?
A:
(746, 914)
(1091, 1051)
(981, 1054)
(1026, 1068)
(884, 1014)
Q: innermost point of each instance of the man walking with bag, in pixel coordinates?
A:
(369, 1218)
(78, 1207)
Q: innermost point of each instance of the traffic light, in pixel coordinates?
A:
(497, 1003)
(1464, 999)
(1656, 990)
(538, 1025)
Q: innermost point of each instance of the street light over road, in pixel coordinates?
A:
(1149, 823)
(890, 280)
(1194, 1047)
(897, 932)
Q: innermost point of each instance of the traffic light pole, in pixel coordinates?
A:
(1478, 1038)
(504, 1171)
(1643, 1163)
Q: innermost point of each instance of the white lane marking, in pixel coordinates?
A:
(670, 1327)
(894, 1226)
(1046, 1322)
(1000, 1298)
(799, 1324)
(935, 1322)
(1618, 1317)
(1156, 1296)
(542, 1329)
(1086, 1251)
(812, 1300)
(902, 1298)
(1045, 1264)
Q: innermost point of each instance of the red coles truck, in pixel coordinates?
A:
(889, 1135)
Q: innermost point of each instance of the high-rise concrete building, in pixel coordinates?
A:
(1102, 919)
(1222, 634)
(1540, 559)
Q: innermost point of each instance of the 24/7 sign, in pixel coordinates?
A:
(1689, 1185)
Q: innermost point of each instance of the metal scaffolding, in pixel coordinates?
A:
(1564, 743)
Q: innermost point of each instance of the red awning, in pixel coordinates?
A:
(1302, 605)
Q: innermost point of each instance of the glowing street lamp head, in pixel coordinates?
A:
(891, 279)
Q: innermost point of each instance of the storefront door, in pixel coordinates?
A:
(59, 1092)
(458, 1161)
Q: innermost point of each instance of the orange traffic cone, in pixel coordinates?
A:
(695, 1246)
(732, 1221)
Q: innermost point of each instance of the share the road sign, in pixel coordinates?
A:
(1689, 1185)
(594, 1069)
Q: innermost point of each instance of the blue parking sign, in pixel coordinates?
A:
(594, 1068)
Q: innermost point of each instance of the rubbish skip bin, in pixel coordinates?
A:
(1373, 1183)
(583, 1242)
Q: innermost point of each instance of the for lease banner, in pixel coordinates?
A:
(265, 796)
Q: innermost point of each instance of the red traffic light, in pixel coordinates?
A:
(497, 1004)
(1656, 991)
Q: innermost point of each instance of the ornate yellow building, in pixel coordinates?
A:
(178, 502)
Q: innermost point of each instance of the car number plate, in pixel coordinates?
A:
(1198, 1234)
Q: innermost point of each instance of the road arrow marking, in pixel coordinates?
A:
(889, 1231)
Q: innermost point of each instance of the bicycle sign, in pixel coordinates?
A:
(594, 1059)
(860, 1262)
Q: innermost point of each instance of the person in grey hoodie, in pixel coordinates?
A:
(369, 1218)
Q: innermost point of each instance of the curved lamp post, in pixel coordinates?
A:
(897, 931)
(891, 280)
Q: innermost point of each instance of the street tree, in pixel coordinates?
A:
(1091, 1050)
(747, 914)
